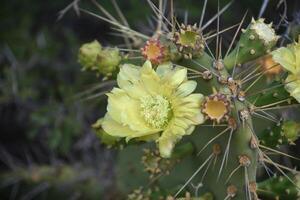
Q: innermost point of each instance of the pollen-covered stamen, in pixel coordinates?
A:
(216, 107)
(153, 51)
(156, 110)
(189, 41)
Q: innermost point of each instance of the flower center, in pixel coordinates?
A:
(156, 110)
(216, 107)
(153, 51)
(188, 38)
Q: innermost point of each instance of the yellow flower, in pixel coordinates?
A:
(289, 58)
(153, 105)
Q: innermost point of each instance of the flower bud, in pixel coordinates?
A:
(88, 53)
(107, 61)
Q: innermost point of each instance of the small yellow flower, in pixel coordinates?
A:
(153, 105)
(289, 58)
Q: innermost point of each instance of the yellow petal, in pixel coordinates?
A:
(286, 58)
(186, 88)
(147, 138)
(114, 128)
(197, 119)
(117, 98)
(297, 54)
(129, 80)
(150, 79)
(164, 69)
(293, 87)
(128, 74)
(177, 77)
(166, 144)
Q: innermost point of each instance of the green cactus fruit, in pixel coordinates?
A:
(107, 61)
(257, 40)
(88, 53)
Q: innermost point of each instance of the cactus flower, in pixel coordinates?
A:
(289, 58)
(153, 105)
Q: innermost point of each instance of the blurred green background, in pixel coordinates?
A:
(45, 134)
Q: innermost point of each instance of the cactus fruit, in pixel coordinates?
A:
(255, 41)
(226, 113)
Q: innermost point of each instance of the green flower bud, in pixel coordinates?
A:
(108, 61)
(291, 130)
(255, 41)
(88, 54)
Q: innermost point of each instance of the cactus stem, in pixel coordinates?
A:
(226, 153)
(248, 193)
(213, 139)
(194, 174)
(233, 172)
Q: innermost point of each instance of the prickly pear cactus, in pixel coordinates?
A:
(211, 119)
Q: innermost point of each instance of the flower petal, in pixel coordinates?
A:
(285, 57)
(293, 87)
(164, 69)
(177, 77)
(149, 78)
(166, 143)
(129, 80)
(114, 128)
(186, 88)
